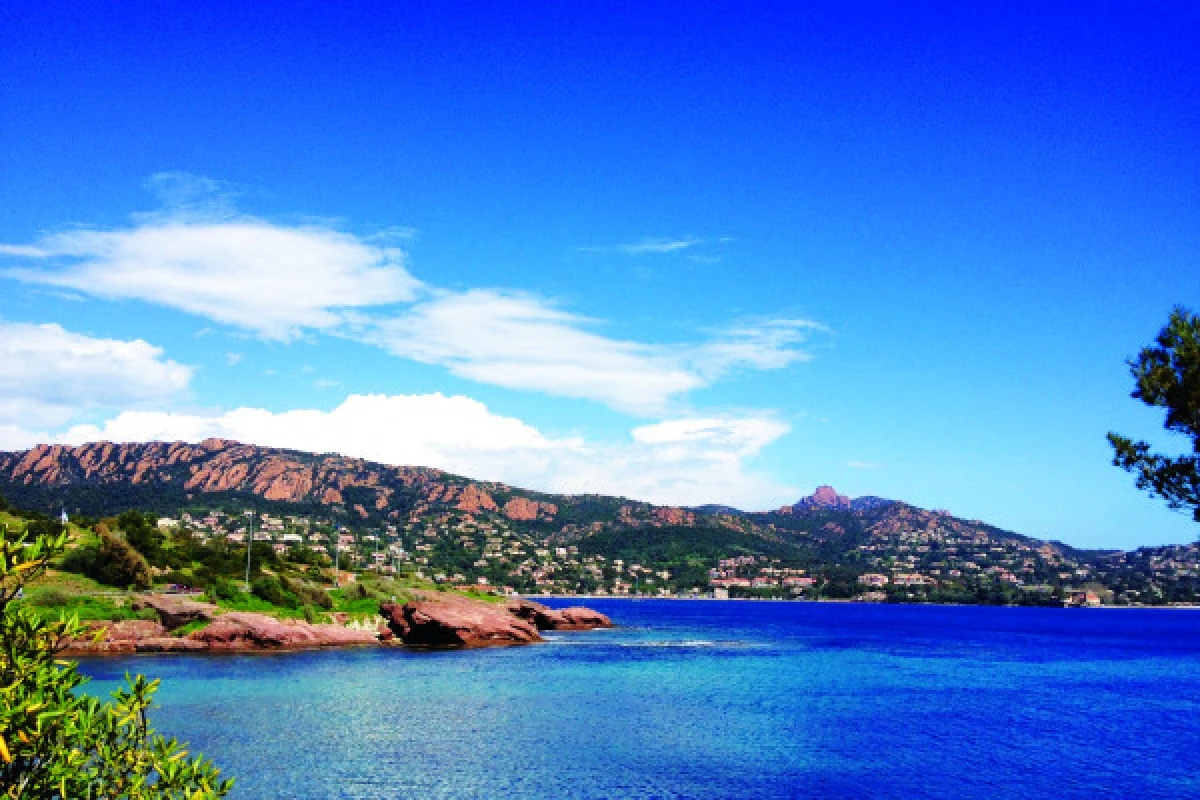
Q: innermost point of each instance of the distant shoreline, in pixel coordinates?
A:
(846, 601)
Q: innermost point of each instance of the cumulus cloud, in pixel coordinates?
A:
(683, 462)
(49, 375)
(271, 280)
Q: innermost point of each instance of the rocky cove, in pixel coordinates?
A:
(431, 620)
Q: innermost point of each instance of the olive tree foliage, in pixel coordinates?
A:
(58, 743)
(1167, 375)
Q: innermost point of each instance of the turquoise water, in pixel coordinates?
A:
(717, 700)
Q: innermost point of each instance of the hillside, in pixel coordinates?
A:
(445, 527)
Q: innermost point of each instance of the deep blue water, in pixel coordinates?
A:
(716, 700)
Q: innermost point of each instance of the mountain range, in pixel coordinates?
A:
(104, 478)
(836, 539)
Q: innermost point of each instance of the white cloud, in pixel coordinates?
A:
(650, 246)
(187, 196)
(49, 375)
(741, 435)
(406, 429)
(16, 437)
(519, 341)
(271, 280)
(771, 344)
(280, 282)
(684, 462)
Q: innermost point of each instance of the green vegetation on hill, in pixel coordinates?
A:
(424, 525)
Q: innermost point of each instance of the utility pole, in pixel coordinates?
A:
(337, 551)
(249, 544)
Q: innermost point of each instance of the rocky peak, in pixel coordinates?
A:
(823, 497)
(826, 497)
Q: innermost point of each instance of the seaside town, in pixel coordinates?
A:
(460, 550)
(908, 555)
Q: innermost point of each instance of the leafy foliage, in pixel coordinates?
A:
(268, 588)
(142, 533)
(1167, 375)
(58, 743)
(112, 561)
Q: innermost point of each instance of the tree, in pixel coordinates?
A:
(143, 535)
(113, 561)
(58, 743)
(118, 564)
(1167, 375)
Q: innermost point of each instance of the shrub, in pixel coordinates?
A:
(56, 742)
(82, 560)
(223, 589)
(44, 526)
(307, 593)
(112, 562)
(358, 591)
(269, 589)
(50, 598)
(313, 617)
(118, 564)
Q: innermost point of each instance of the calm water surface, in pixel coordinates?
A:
(716, 700)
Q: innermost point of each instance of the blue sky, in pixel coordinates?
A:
(717, 254)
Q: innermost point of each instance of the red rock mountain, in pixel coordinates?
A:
(826, 497)
(179, 471)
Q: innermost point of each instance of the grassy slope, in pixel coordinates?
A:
(59, 592)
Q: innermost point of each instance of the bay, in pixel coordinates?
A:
(710, 699)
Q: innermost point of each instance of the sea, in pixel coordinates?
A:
(715, 699)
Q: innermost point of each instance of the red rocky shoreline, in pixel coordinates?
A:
(434, 620)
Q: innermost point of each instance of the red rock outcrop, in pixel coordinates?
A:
(472, 499)
(174, 610)
(456, 621)
(436, 621)
(522, 508)
(542, 617)
(823, 497)
(579, 618)
(674, 516)
(114, 638)
(576, 618)
(236, 631)
(169, 644)
(247, 631)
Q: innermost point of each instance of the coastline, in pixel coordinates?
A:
(850, 601)
(431, 622)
